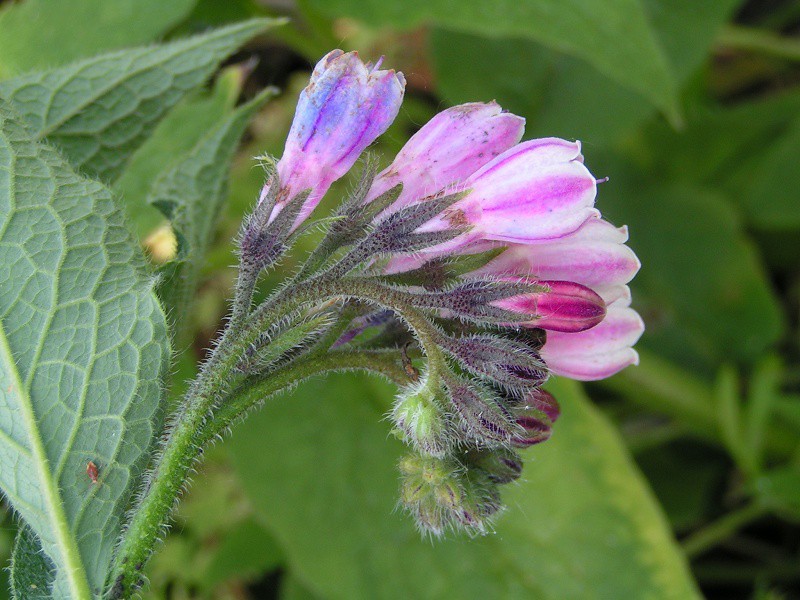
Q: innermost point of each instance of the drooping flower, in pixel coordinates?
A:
(448, 149)
(595, 255)
(555, 300)
(346, 105)
(598, 352)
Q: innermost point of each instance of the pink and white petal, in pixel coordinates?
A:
(524, 207)
(593, 368)
(534, 153)
(448, 149)
(598, 352)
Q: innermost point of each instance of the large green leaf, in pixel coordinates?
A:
(614, 36)
(320, 470)
(83, 346)
(191, 193)
(748, 149)
(98, 111)
(176, 134)
(560, 95)
(41, 34)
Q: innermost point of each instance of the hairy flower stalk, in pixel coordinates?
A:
(467, 271)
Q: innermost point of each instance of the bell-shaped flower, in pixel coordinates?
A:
(595, 255)
(598, 352)
(448, 149)
(346, 105)
(560, 306)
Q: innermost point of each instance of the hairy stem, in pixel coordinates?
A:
(190, 428)
(253, 394)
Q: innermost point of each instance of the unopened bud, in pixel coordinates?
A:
(419, 414)
(562, 306)
(485, 420)
(443, 494)
(535, 418)
(501, 465)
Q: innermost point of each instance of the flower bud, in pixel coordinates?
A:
(443, 494)
(485, 421)
(419, 414)
(563, 306)
(535, 418)
(501, 465)
(346, 105)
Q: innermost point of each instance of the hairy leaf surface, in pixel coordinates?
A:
(83, 345)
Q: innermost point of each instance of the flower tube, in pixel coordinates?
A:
(346, 105)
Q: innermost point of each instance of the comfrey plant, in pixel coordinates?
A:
(467, 271)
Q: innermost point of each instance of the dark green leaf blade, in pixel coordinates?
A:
(320, 471)
(42, 34)
(83, 347)
(614, 36)
(98, 111)
(32, 572)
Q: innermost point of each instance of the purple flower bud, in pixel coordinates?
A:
(563, 306)
(598, 352)
(535, 418)
(544, 402)
(448, 149)
(346, 105)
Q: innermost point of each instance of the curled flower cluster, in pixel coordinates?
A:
(480, 261)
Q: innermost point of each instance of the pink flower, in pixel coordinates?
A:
(536, 191)
(598, 352)
(343, 109)
(448, 149)
(595, 255)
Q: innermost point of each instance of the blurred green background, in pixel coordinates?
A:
(676, 478)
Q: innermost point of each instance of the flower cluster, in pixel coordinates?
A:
(480, 262)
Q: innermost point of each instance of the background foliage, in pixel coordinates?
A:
(677, 478)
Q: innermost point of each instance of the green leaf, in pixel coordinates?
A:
(745, 149)
(191, 193)
(561, 95)
(177, 133)
(99, 111)
(42, 34)
(614, 36)
(779, 490)
(32, 572)
(245, 552)
(293, 589)
(320, 470)
(83, 345)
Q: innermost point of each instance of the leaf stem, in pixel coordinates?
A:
(760, 41)
(718, 531)
(660, 386)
